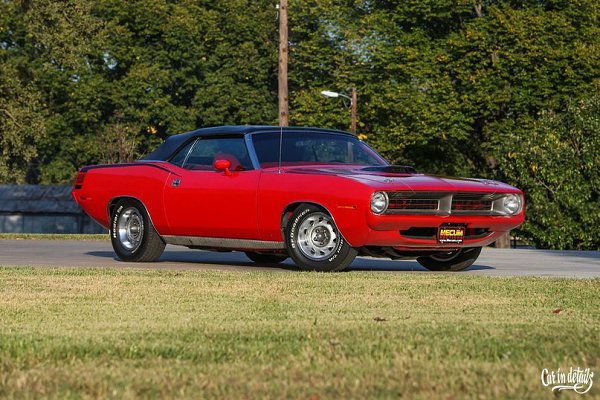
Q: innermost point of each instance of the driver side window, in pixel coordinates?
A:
(205, 151)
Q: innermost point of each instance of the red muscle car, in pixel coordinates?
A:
(319, 196)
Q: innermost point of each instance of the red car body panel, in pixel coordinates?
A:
(144, 182)
(252, 204)
(212, 204)
(345, 201)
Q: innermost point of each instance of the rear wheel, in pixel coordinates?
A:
(315, 243)
(132, 234)
(266, 258)
(457, 260)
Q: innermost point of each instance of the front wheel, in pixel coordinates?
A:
(457, 260)
(315, 243)
(132, 234)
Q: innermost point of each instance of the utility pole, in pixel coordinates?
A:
(283, 64)
(353, 123)
(503, 241)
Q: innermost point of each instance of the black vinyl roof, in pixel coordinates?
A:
(173, 143)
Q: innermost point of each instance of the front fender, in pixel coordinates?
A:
(345, 200)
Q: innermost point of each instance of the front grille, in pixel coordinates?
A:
(441, 203)
(471, 205)
(414, 204)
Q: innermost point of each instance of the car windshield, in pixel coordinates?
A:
(306, 148)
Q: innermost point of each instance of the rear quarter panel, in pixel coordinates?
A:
(144, 182)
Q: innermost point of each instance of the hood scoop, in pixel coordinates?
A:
(391, 169)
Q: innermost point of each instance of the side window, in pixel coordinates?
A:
(179, 158)
(206, 151)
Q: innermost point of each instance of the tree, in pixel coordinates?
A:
(44, 50)
(557, 165)
(22, 124)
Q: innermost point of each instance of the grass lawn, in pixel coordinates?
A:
(110, 333)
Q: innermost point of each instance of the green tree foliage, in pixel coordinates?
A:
(46, 47)
(440, 80)
(155, 67)
(22, 109)
(22, 124)
(558, 166)
(450, 86)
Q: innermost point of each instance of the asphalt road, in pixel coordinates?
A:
(494, 262)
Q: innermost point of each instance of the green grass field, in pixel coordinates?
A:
(109, 333)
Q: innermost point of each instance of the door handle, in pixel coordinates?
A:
(176, 182)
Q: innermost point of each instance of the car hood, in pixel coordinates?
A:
(383, 180)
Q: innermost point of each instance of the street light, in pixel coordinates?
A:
(328, 93)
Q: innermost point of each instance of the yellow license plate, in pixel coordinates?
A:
(451, 234)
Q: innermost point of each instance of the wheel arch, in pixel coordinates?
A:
(112, 203)
(291, 207)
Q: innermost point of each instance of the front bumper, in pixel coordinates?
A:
(418, 232)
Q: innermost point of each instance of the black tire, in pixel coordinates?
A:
(458, 260)
(132, 234)
(265, 258)
(314, 242)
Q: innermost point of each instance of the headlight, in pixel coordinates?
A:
(379, 202)
(511, 204)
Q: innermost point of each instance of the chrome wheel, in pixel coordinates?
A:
(132, 234)
(317, 237)
(315, 243)
(130, 228)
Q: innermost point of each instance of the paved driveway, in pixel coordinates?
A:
(495, 262)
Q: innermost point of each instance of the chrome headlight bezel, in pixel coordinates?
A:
(379, 202)
(512, 204)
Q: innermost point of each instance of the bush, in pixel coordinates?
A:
(558, 167)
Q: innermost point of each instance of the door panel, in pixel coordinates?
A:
(212, 204)
(201, 201)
